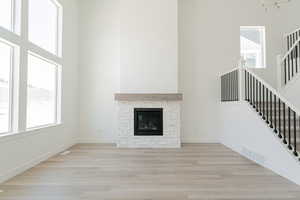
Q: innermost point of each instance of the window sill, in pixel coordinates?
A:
(17, 135)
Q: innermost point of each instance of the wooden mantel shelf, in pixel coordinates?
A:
(149, 97)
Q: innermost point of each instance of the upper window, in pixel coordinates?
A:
(44, 22)
(6, 14)
(252, 40)
(5, 86)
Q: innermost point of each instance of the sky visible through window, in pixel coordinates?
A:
(5, 14)
(43, 24)
(5, 66)
(41, 91)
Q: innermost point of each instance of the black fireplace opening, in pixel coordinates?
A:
(148, 122)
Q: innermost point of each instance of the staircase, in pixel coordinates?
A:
(289, 64)
(279, 114)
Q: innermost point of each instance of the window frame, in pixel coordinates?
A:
(56, 92)
(15, 18)
(18, 39)
(11, 85)
(58, 29)
(262, 31)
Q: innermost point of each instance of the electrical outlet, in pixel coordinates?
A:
(254, 156)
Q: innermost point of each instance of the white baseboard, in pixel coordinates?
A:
(18, 170)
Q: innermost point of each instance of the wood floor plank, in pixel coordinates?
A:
(195, 172)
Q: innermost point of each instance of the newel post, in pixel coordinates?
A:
(241, 71)
(280, 74)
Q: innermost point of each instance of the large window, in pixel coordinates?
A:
(30, 68)
(5, 86)
(41, 92)
(43, 24)
(252, 39)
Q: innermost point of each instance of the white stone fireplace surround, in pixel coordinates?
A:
(170, 103)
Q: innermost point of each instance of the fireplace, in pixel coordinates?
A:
(148, 122)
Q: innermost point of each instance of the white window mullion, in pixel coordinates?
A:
(23, 68)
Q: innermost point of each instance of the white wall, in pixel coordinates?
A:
(131, 46)
(99, 27)
(208, 46)
(125, 46)
(250, 136)
(22, 151)
(149, 36)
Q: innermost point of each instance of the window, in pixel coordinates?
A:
(5, 86)
(252, 40)
(30, 77)
(44, 24)
(6, 14)
(41, 92)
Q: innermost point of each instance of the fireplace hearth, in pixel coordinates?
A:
(148, 122)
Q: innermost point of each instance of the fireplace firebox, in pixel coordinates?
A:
(148, 122)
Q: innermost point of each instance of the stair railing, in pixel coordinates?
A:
(289, 64)
(280, 115)
(291, 38)
(230, 85)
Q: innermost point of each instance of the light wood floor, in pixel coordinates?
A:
(103, 172)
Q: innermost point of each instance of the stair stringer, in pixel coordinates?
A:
(244, 131)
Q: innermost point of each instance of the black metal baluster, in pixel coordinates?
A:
(237, 85)
(289, 68)
(256, 93)
(279, 125)
(267, 105)
(246, 93)
(271, 110)
(253, 81)
(296, 58)
(260, 109)
(231, 87)
(226, 87)
(250, 89)
(284, 124)
(293, 38)
(264, 104)
(295, 135)
(289, 128)
(248, 82)
(275, 115)
(292, 62)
